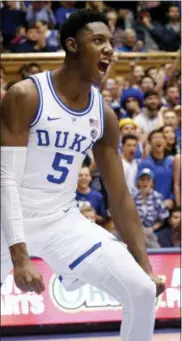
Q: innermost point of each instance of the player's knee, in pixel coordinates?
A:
(145, 290)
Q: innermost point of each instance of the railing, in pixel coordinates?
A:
(12, 62)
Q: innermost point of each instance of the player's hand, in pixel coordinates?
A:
(160, 284)
(27, 278)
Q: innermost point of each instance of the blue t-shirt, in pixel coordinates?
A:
(94, 199)
(163, 172)
(63, 13)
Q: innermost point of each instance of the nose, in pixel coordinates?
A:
(108, 50)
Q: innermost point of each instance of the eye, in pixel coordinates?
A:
(98, 40)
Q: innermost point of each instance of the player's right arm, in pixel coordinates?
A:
(16, 113)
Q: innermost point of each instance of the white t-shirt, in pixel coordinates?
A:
(146, 123)
(130, 172)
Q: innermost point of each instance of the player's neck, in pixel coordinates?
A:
(70, 82)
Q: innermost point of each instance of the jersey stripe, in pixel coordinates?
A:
(40, 100)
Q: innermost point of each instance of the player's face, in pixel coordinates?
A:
(95, 52)
(84, 178)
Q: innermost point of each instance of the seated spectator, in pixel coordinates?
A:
(130, 42)
(88, 213)
(177, 179)
(130, 165)
(149, 120)
(40, 10)
(62, 13)
(170, 119)
(170, 234)
(11, 19)
(117, 33)
(89, 197)
(131, 101)
(170, 141)
(172, 97)
(161, 166)
(52, 36)
(128, 126)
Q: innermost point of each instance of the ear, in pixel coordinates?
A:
(71, 45)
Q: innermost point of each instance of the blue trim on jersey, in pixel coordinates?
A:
(58, 100)
(40, 100)
(101, 107)
(85, 255)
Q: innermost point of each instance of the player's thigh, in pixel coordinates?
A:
(117, 273)
(67, 243)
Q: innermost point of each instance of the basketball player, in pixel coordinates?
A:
(49, 122)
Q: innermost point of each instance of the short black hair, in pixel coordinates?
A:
(150, 93)
(77, 21)
(129, 137)
(153, 132)
(175, 209)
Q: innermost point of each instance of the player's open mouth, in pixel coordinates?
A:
(103, 66)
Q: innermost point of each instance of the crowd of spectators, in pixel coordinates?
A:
(137, 26)
(147, 104)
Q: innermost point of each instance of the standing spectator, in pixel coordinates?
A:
(40, 10)
(117, 32)
(62, 13)
(147, 84)
(107, 96)
(131, 101)
(148, 31)
(130, 42)
(161, 166)
(52, 36)
(130, 165)
(149, 203)
(149, 120)
(173, 29)
(90, 197)
(11, 19)
(128, 126)
(177, 179)
(172, 97)
(170, 140)
(170, 118)
(170, 235)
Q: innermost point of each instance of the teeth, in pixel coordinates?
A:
(105, 61)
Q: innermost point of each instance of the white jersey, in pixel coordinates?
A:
(59, 140)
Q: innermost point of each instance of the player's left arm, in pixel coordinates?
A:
(121, 204)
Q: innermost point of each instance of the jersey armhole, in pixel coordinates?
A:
(101, 111)
(38, 113)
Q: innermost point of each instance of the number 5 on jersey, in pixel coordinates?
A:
(56, 165)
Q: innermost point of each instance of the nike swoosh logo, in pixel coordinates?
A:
(65, 211)
(53, 118)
